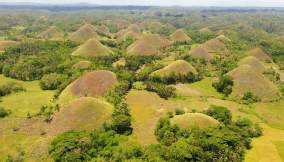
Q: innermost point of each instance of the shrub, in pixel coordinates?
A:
(52, 81)
(10, 87)
(250, 98)
(179, 111)
(220, 113)
(161, 89)
(139, 85)
(3, 112)
(224, 85)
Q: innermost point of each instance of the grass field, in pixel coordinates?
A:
(29, 101)
(264, 148)
(280, 148)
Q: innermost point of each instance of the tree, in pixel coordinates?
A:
(52, 81)
(224, 85)
(3, 112)
(220, 113)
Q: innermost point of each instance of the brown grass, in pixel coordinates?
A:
(4, 44)
(190, 120)
(84, 33)
(93, 84)
(180, 36)
(180, 67)
(133, 31)
(52, 33)
(254, 63)
(85, 113)
(82, 65)
(214, 45)
(201, 53)
(93, 48)
(260, 54)
(148, 44)
(247, 79)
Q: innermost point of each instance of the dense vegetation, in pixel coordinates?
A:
(225, 143)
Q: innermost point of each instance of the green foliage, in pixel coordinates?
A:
(272, 75)
(176, 78)
(3, 112)
(121, 119)
(139, 85)
(161, 89)
(224, 85)
(220, 113)
(70, 146)
(179, 111)
(52, 81)
(31, 60)
(146, 70)
(10, 87)
(250, 98)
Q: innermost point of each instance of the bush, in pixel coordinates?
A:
(52, 81)
(3, 112)
(179, 111)
(250, 98)
(10, 87)
(220, 113)
(139, 85)
(161, 89)
(224, 85)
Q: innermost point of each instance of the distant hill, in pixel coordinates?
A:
(149, 44)
(84, 33)
(52, 33)
(180, 36)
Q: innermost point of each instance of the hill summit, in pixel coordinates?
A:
(180, 36)
(84, 33)
(93, 48)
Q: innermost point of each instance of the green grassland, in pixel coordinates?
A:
(29, 101)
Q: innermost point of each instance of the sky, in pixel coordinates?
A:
(242, 3)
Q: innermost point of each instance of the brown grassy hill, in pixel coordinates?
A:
(93, 84)
(84, 33)
(260, 54)
(103, 30)
(191, 120)
(180, 36)
(92, 47)
(154, 26)
(6, 44)
(82, 65)
(148, 44)
(246, 79)
(177, 67)
(133, 31)
(254, 63)
(214, 45)
(202, 53)
(52, 33)
(85, 113)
